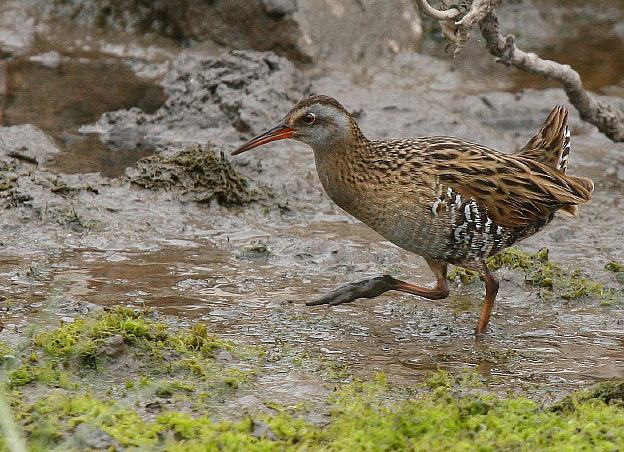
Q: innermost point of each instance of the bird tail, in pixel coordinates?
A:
(551, 145)
(581, 186)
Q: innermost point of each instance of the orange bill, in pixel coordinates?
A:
(279, 132)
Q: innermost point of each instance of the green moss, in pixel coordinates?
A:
(609, 392)
(47, 373)
(448, 412)
(235, 377)
(615, 267)
(618, 269)
(84, 338)
(5, 349)
(167, 389)
(196, 339)
(539, 271)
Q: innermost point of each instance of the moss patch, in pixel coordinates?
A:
(610, 393)
(539, 271)
(198, 173)
(171, 405)
(618, 269)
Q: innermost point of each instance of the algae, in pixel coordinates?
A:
(539, 271)
(608, 392)
(198, 173)
(169, 407)
(618, 269)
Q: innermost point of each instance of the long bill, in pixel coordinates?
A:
(279, 132)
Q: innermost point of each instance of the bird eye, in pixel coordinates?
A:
(309, 118)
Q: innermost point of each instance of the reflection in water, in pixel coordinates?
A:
(595, 51)
(59, 99)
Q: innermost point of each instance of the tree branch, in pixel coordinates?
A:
(605, 115)
(437, 14)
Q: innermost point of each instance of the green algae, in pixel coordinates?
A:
(618, 269)
(445, 412)
(615, 267)
(608, 392)
(539, 271)
(199, 173)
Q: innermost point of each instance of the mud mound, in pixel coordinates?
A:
(198, 173)
(10, 194)
(220, 100)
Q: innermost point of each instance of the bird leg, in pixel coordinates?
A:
(373, 287)
(491, 289)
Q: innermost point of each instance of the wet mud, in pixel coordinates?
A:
(76, 231)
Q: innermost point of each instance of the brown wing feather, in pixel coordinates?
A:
(517, 191)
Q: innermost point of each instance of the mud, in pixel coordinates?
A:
(69, 240)
(197, 173)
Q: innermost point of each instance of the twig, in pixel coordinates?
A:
(430, 11)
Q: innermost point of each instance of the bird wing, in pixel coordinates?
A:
(516, 191)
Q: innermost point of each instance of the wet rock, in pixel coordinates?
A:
(27, 143)
(358, 31)
(49, 59)
(89, 437)
(224, 357)
(255, 251)
(618, 29)
(198, 173)
(17, 27)
(362, 30)
(113, 346)
(263, 430)
(210, 100)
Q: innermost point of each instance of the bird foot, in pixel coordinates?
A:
(367, 288)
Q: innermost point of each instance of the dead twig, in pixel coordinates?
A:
(598, 111)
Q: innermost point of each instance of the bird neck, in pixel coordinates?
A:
(342, 166)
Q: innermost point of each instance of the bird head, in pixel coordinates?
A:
(318, 121)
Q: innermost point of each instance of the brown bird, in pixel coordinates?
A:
(448, 200)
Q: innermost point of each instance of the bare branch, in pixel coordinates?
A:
(604, 115)
(447, 14)
(598, 111)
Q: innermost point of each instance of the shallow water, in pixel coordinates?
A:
(64, 92)
(532, 342)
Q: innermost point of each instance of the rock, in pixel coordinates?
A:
(17, 27)
(88, 437)
(356, 31)
(224, 357)
(216, 100)
(49, 59)
(362, 30)
(255, 251)
(262, 430)
(618, 29)
(114, 346)
(198, 173)
(27, 143)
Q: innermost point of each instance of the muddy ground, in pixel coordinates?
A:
(82, 226)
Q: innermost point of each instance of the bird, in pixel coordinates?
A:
(449, 200)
